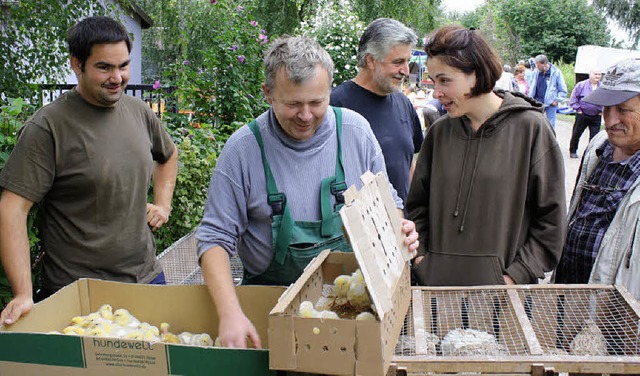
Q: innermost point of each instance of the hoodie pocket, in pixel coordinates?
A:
(445, 269)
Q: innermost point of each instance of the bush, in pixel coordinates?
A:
(216, 94)
(568, 72)
(338, 30)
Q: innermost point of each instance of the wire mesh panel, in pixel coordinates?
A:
(461, 323)
(582, 321)
(180, 263)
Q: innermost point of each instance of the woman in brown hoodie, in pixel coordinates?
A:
(487, 195)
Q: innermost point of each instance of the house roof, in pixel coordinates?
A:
(145, 21)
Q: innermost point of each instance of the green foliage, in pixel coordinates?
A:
(198, 148)
(338, 30)
(217, 90)
(285, 16)
(568, 72)
(33, 42)
(551, 27)
(626, 13)
(12, 117)
(421, 16)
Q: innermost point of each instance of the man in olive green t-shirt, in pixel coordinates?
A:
(88, 158)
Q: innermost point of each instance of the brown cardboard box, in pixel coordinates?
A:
(343, 346)
(26, 349)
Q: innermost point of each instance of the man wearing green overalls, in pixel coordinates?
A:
(277, 187)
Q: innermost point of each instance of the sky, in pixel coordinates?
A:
(469, 5)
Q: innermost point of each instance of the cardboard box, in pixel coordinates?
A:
(343, 346)
(26, 349)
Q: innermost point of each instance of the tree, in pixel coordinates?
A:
(556, 28)
(33, 41)
(421, 16)
(626, 13)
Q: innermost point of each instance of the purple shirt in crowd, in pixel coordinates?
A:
(581, 90)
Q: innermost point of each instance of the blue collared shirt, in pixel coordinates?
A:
(599, 201)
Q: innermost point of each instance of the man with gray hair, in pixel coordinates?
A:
(279, 214)
(383, 57)
(547, 87)
(603, 238)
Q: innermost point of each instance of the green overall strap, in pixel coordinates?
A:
(275, 198)
(333, 184)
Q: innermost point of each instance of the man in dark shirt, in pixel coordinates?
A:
(383, 56)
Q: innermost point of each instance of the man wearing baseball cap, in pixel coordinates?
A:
(603, 235)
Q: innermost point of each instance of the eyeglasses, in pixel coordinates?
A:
(600, 190)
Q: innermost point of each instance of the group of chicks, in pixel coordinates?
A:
(349, 298)
(106, 322)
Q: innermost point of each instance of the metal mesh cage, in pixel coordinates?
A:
(180, 263)
(582, 321)
(592, 329)
(444, 321)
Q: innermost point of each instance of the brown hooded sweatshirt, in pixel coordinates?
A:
(492, 202)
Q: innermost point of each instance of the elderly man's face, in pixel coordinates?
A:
(595, 76)
(300, 108)
(622, 123)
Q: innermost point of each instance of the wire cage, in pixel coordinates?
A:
(592, 329)
(180, 263)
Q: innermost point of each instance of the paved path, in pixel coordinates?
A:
(563, 134)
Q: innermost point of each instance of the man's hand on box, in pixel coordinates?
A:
(156, 216)
(235, 331)
(411, 239)
(17, 307)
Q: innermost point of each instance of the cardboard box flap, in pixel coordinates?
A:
(374, 227)
(293, 290)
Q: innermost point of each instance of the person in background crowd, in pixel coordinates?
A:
(485, 196)
(603, 238)
(505, 82)
(519, 81)
(88, 157)
(383, 57)
(547, 87)
(528, 74)
(587, 115)
(272, 214)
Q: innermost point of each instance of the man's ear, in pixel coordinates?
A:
(267, 93)
(75, 65)
(369, 59)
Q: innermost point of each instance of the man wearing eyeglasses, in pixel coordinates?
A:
(603, 238)
(383, 57)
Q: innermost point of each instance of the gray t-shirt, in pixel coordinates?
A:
(237, 216)
(91, 167)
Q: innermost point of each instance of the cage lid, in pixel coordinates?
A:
(374, 227)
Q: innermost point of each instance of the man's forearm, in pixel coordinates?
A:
(216, 271)
(164, 181)
(14, 243)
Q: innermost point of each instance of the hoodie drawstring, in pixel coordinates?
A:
(464, 166)
(473, 179)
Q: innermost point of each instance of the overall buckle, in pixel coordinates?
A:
(277, 201)
(337, 190)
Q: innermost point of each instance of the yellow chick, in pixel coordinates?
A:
(123, 317)
(217, 342)
(328, 315)
(106, 312)
(307, 310)
(202, 340)
(153, 329)
(97, 332)
(357, 294)
(83, 321)
(135, 334)
(365, 316)
(185, 337)
(341, 288)
(73, 330)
